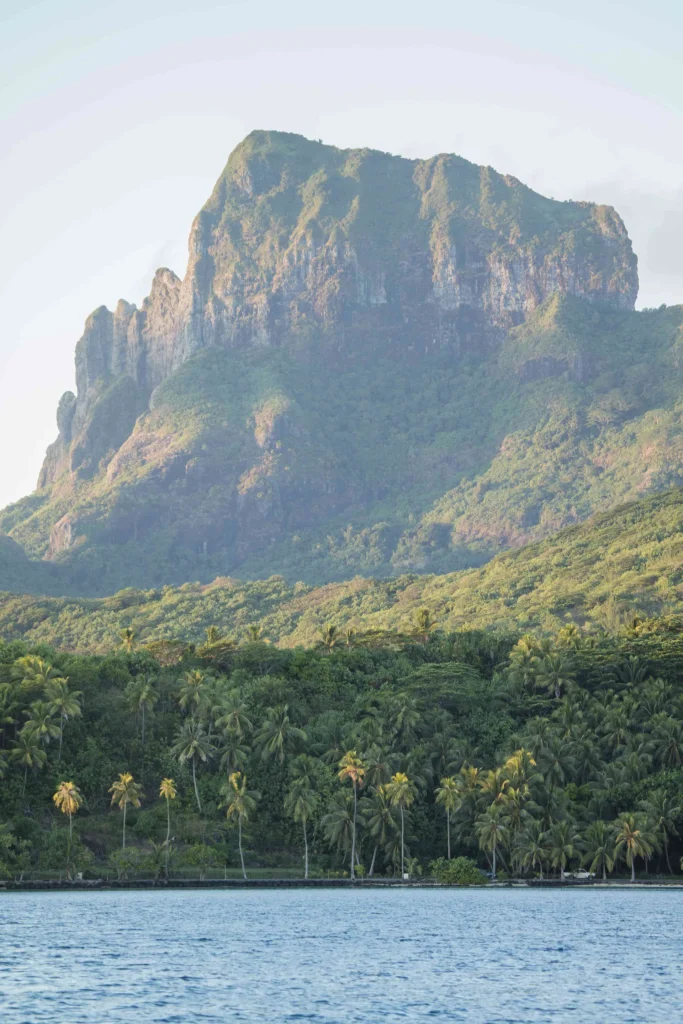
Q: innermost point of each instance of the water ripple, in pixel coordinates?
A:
(341, 957)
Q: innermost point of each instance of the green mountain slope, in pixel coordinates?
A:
(597, 574)
(374, 366)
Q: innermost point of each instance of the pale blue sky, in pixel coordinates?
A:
(118, 117)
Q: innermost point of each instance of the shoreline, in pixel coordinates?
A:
(109, 885)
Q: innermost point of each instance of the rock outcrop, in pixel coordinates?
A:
(319, 360)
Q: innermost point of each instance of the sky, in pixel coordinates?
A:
(117, 119)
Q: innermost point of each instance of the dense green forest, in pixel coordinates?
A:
(369, 753)
(597, 575)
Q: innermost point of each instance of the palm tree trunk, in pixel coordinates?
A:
(402, 846)
(633, 869)
(168, 831)
(493, 873)
(61, 735)
(143, 728)
(196, 791)
(604, 870)
(353, 836)
(23, 792)
(305, 851)
(448, 831)
(239, 839)
(124, 825)
(372, 863)
(666, 851)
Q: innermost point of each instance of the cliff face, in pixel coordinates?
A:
(351, 247)
(342, 337)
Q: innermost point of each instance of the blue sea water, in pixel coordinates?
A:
(210, 956)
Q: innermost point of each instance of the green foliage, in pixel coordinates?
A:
(458, 871)
(620, 565)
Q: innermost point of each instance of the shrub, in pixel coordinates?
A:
(459, 871)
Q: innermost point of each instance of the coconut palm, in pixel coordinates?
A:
(554, 674)
(329, 637)
(449, 796)
(379, 821)
(240, 803)
(632, 841)
(27, 752)
(64, 703)
(563, 844)
(557, 763)
(125, 791)
(141, 698)
(168, 792)
(401, 792)
(491, 832)
(278, 736)
(127, 637)
(233, 715)
(41, 725)
(192, 744)
(532, 847)
(667, 734)
(663, 813)
(301, 803)
(598, 847)
(191, 693)
(338, 823)
(68, 798)
(34, 673)
(351, 768)
(234, 753)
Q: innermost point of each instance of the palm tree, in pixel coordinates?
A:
(278, 737)
(401, 792)
(532, 846)
(213, 635)
(491, 833)
(168, 792)
(598, 847)
(338, 823)
(234, 753)
(64, 703)
(27, 752)
(68, 798)
(667, 733)
(329, 637)
(240, 803)
(300, 803)
(191, 693)
(142, 697)
(449, 795)
(35, 673)
(631, 842)
(663, 812)
(127, 637)
(563, 842)
(351, 767)
(379, 821)
(234, 715)
(554, 674)
(192, 744)
(125, 791)
(424, 624)
(41, 724)
(557, 763)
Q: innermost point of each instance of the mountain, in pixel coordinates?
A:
(601, 573)
(373, 365)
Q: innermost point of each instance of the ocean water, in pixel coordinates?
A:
(210, 957)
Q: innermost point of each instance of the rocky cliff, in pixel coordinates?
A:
(337, 359)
